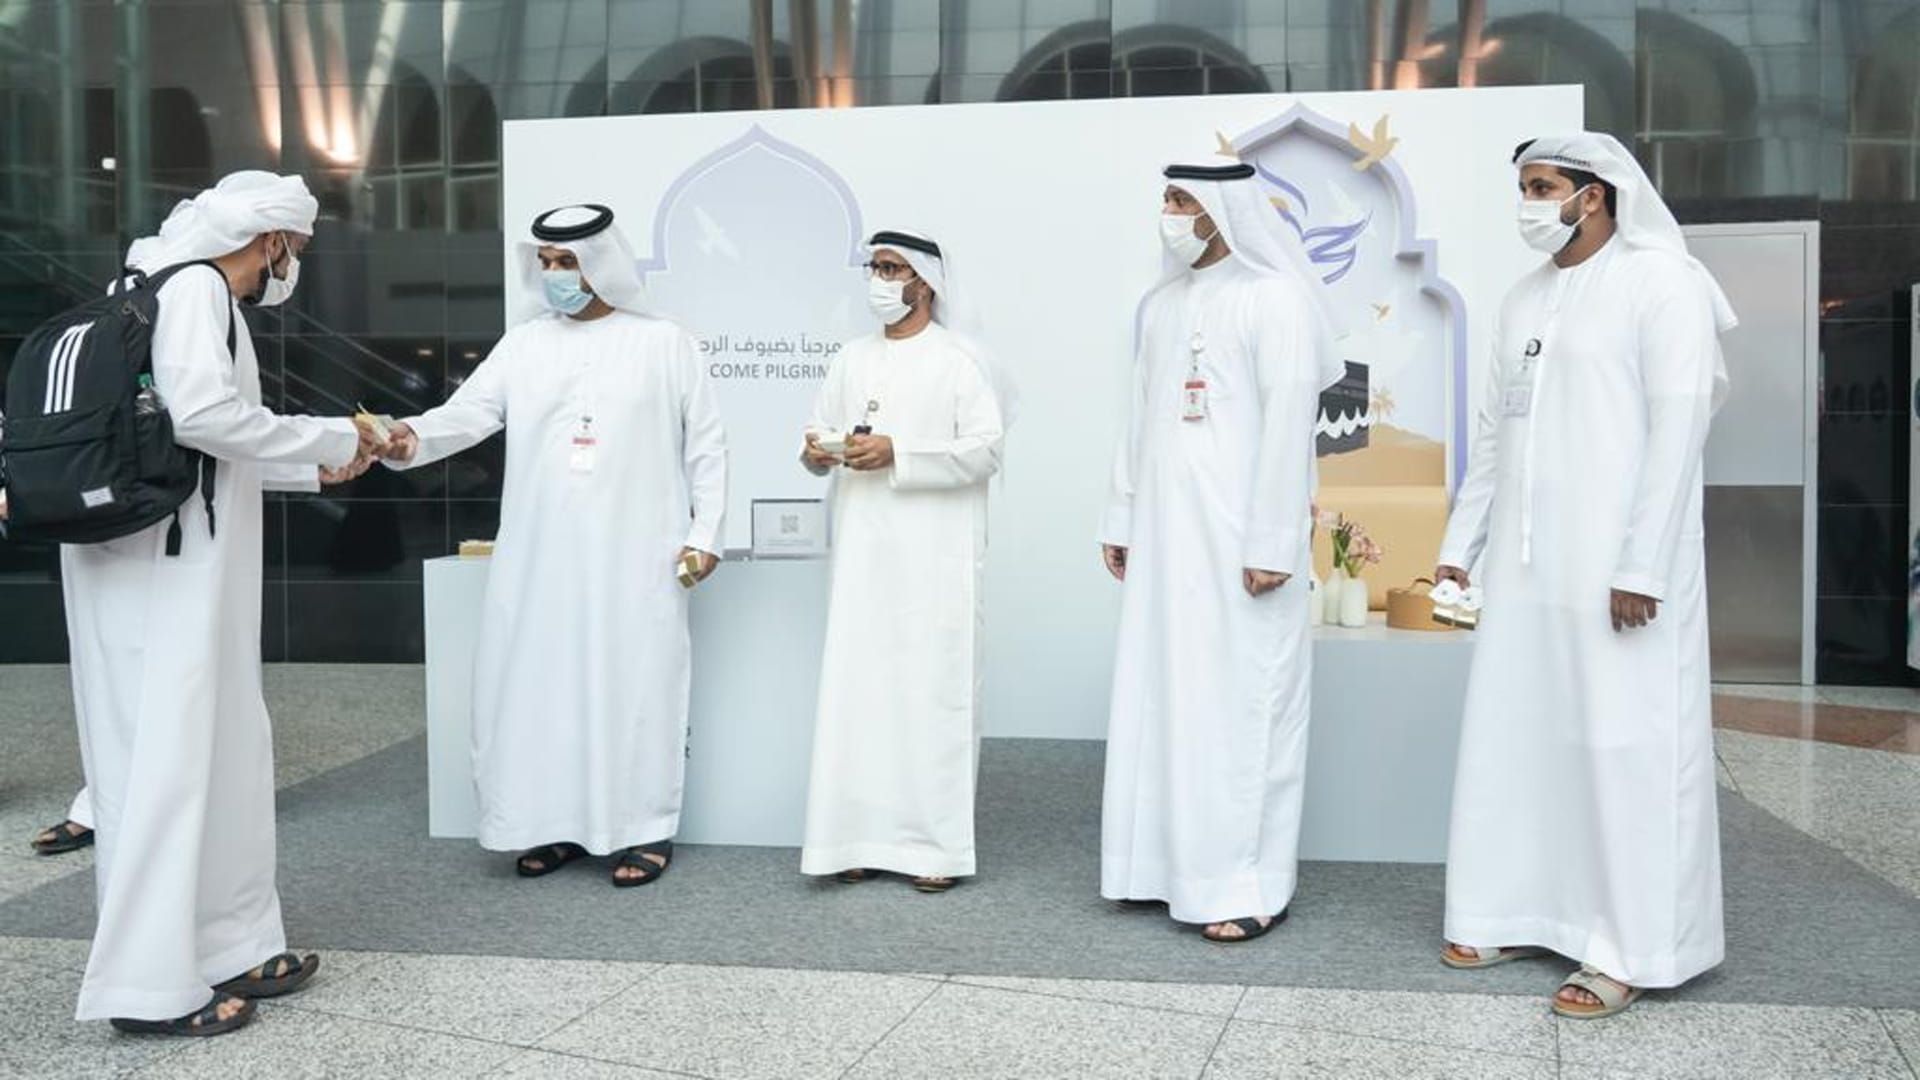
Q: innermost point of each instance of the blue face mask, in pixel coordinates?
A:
(564, 293)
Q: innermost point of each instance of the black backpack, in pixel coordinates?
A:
(86, 445)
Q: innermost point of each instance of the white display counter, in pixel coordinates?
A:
(1379, 773)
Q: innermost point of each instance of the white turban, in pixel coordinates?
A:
(1258, 241)
(952, 308)
(606, 261)
(1641, 218)
(225, 218)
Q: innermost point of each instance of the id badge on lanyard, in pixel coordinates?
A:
(585, 446)
(1516, 398)
(1193, 398)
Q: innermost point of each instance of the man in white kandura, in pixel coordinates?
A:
(1208, 522)
(616, 478)
(1584, 819)
(921, 413)
(166, 649)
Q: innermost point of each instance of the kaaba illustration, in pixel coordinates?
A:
(1391, 427)
(1338, 188)
(1345, 414)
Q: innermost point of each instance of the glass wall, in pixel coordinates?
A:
(111, 111)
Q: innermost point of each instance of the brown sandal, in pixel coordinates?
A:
(1486, 957)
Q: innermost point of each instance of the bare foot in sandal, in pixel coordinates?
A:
(228, 1008)
(62, 838)
(278, 976)
(1589, 994)
(642, 863)
(1467, 957)
(1237, 930)
(933, 884)
(545, 859)
(222, 1014)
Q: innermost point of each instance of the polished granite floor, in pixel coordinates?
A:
(1843, 766)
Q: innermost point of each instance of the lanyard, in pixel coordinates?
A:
(878, 386)
(1533, 364)
(1193, 396)
(1193, 392)
(583, 447)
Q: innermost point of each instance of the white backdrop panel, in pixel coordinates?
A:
(746, 224)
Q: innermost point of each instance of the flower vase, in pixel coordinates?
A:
(1316, 601)
(1331, 591)
(1352, 610)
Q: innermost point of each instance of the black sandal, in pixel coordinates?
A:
(281, 974)
(62, 838)
(934, 884)
(1250, 928)
(201, 1023)
(635, 858)
(549, 857)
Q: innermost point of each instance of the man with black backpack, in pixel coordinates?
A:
(164, 620)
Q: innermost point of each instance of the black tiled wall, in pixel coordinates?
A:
(1753, 110)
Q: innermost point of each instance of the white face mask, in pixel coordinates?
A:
(278, 289)
(1179, 232)
(1541, 227)
(887, 300)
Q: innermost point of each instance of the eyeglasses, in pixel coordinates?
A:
(888, 270)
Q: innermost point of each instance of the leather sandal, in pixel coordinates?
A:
(1250, 928)
(635, 858)
(1486, 957)
(280, 975)
(544, 860)
(62, 838)
(200, 1023)
(1615, 996)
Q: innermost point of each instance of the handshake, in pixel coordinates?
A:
(382, 438)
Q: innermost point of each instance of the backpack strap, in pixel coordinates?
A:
(159, 277)
(209, 467)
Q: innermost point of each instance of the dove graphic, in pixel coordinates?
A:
(1373, 149)
(712, 236)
